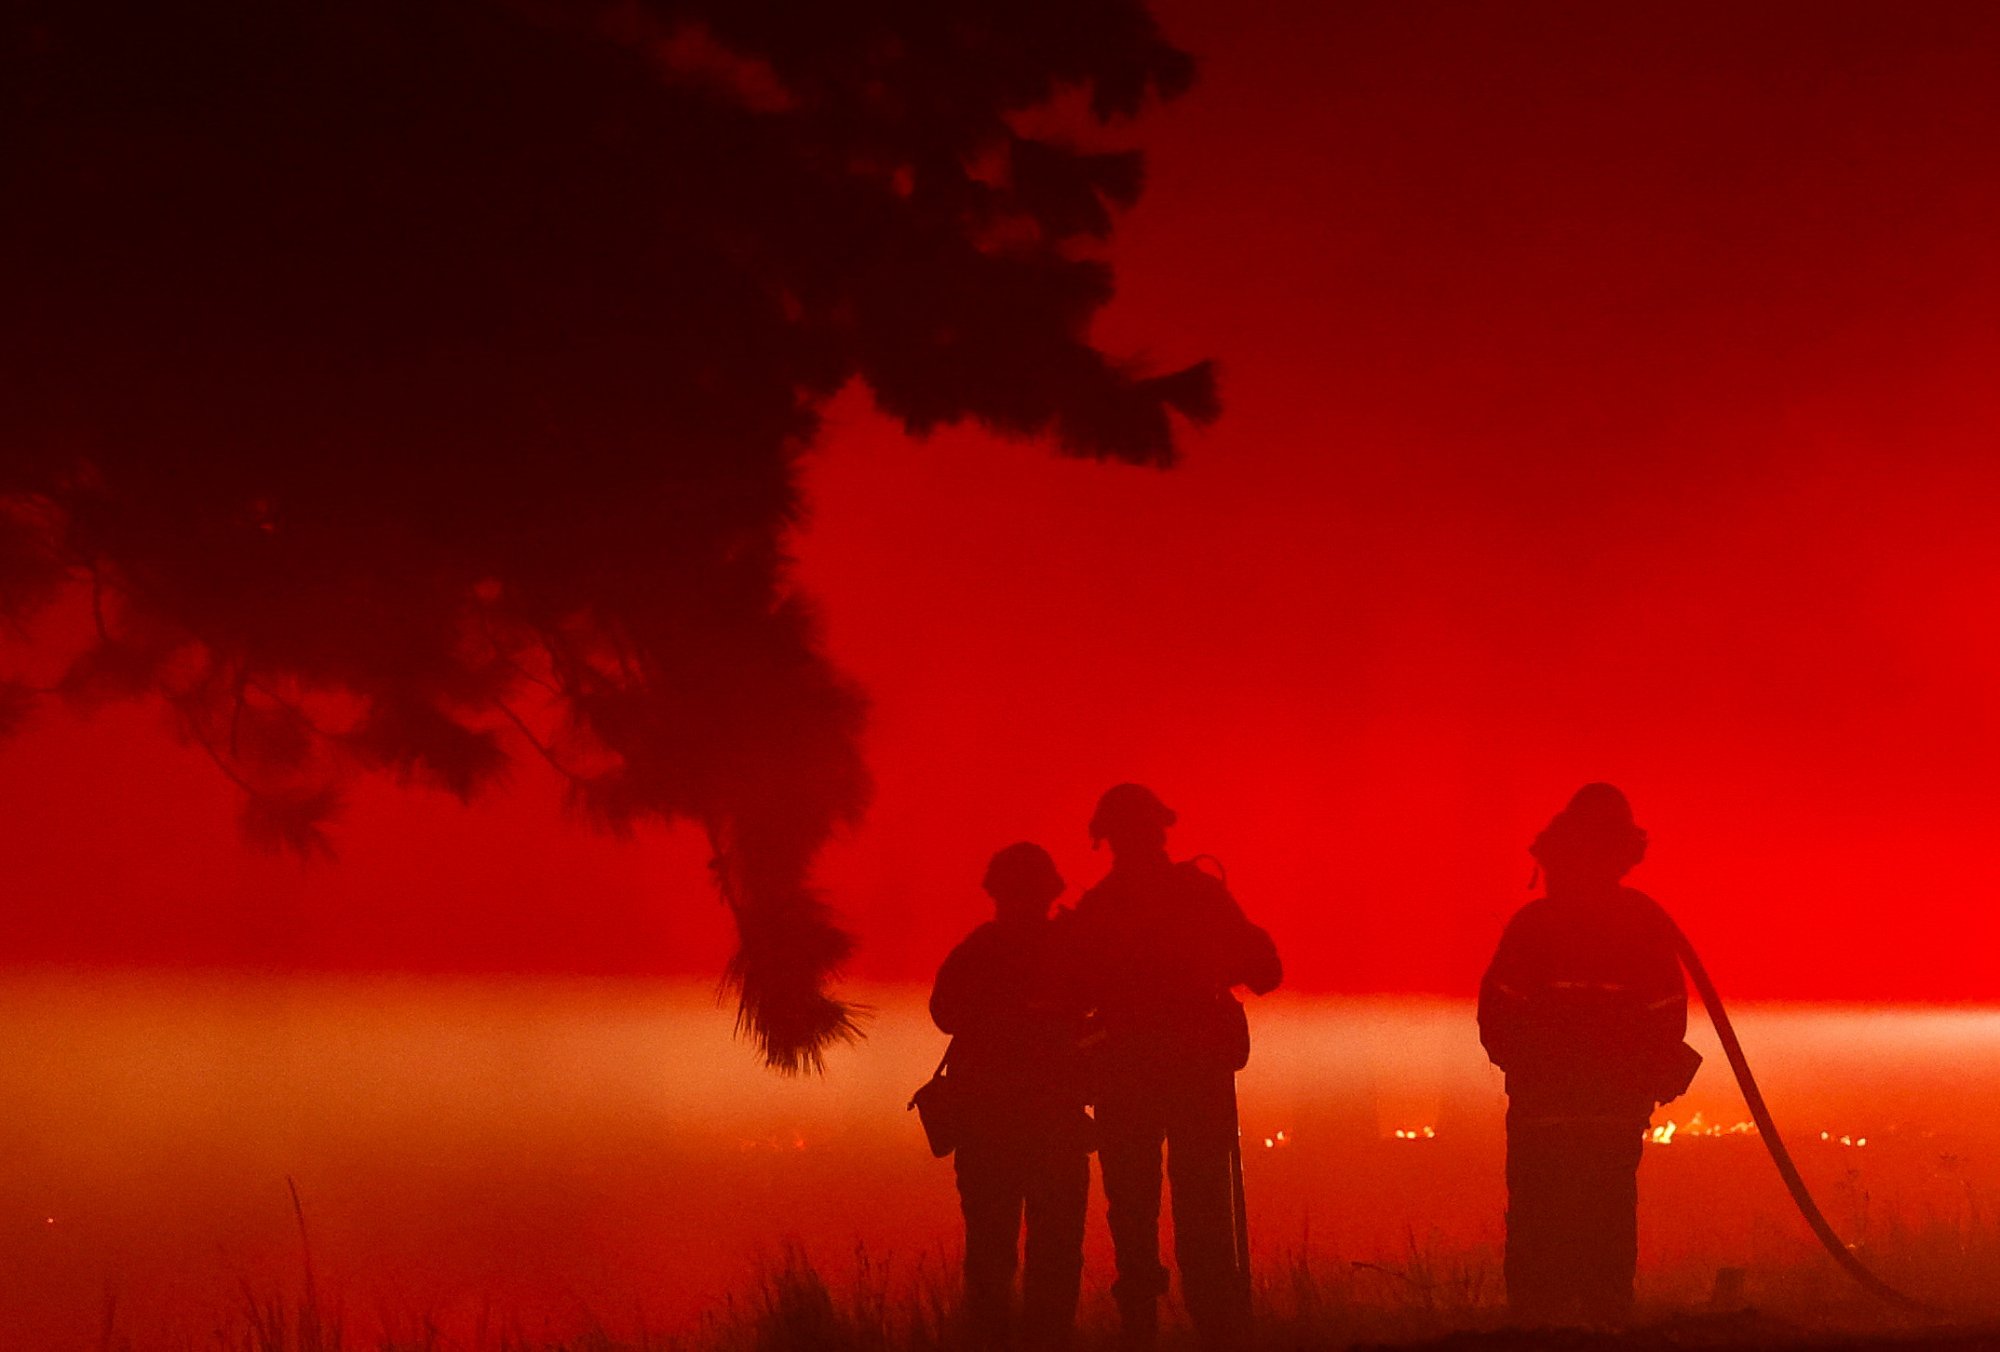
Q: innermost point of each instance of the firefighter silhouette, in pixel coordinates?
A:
(1010, 998)
(1585, 1010)
(1162, 944)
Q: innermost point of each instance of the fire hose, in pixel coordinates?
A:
(1240, 1214)
(1767, 1129)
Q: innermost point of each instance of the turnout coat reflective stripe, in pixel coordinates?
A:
(1584, 1007)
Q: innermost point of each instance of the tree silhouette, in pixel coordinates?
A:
(414, 382)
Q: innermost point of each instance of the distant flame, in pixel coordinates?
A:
(776, 1144)
(1697, 1125)
(1667, 1131)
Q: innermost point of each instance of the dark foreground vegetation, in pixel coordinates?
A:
(1307, 1301)
(1716, 1332)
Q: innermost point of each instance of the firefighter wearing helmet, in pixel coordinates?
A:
(1162, 945)
(1585, 1010)
(1008, 997)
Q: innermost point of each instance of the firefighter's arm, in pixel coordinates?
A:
(1259, 967)
(1250, 954)
(1667, 1009)
(1502, 1000)
(1665, 1017)
(956, 996)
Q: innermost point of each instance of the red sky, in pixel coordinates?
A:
(1608, 396)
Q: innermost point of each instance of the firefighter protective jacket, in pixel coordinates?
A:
(1163, 944)
(1011, 999)
(1585, 1009)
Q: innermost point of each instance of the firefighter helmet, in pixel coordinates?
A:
(1023, 870)
(1596, 830)
(1126, 807)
